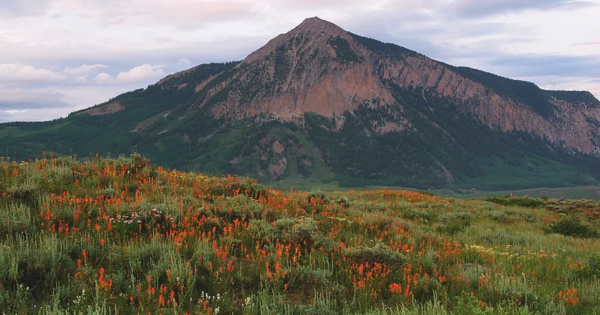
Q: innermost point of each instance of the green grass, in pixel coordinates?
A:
(531, 172)
(120, 236)
(578, 192)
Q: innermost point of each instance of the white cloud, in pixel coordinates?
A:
(138, 74)
(81, 79)
(81, 74)
(17, 72)
(104, 78)
(84, 70)
(141, 73)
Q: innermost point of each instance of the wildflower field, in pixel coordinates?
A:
(121, 236)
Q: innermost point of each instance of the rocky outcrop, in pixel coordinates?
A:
(575, 127)
(105, 109)
(316, 67)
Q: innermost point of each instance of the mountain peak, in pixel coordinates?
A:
(319, 31)
(316, 67)
(314, 19)
(315, 24)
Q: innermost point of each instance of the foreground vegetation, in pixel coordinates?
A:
(102, 236)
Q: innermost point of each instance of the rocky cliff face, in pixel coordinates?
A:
(573, 125)
(318, 67)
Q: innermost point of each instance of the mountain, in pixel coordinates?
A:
(326, 105)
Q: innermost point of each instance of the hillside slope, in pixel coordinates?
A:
(119, 236)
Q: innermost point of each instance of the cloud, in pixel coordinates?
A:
(81, 74)
(84, 70)
(138, 74)
(567, 83)
(19, 8)
(104, 78)
(81, 79)
(479, 9)
(141, 73)
(548, 65)
(185, 15)
(574, 5)
(24, 73)
(29, 115)
(18, 99)
(39, 104)
(588, 44)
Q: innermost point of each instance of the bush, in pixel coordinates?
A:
(314, 201)
(343, 201)
(16, 217)
(412, 214)
(468, 304)
(516, 201)
(453, 228)
(573, 228)
(297, 231)
(317, 195)
(262, 231)
(309, 279)
(500, 216)
(379, 253)
(238, 207)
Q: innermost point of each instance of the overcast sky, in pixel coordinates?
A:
(58, 56)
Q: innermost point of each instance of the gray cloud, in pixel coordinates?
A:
(478, 8)
(433, 36)
(574, 5)
(34, 114)
(548, 65)
(184, 15)
(19, 8)
(588, 44)
(30, 103)
(20, 99)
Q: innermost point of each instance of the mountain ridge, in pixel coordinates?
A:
(307, 93)
(319, 100)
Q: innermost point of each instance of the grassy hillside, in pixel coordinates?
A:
(119, 236)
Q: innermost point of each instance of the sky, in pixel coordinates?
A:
(59, 56)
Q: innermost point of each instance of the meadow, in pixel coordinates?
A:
(122, 236)
(574, 192)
